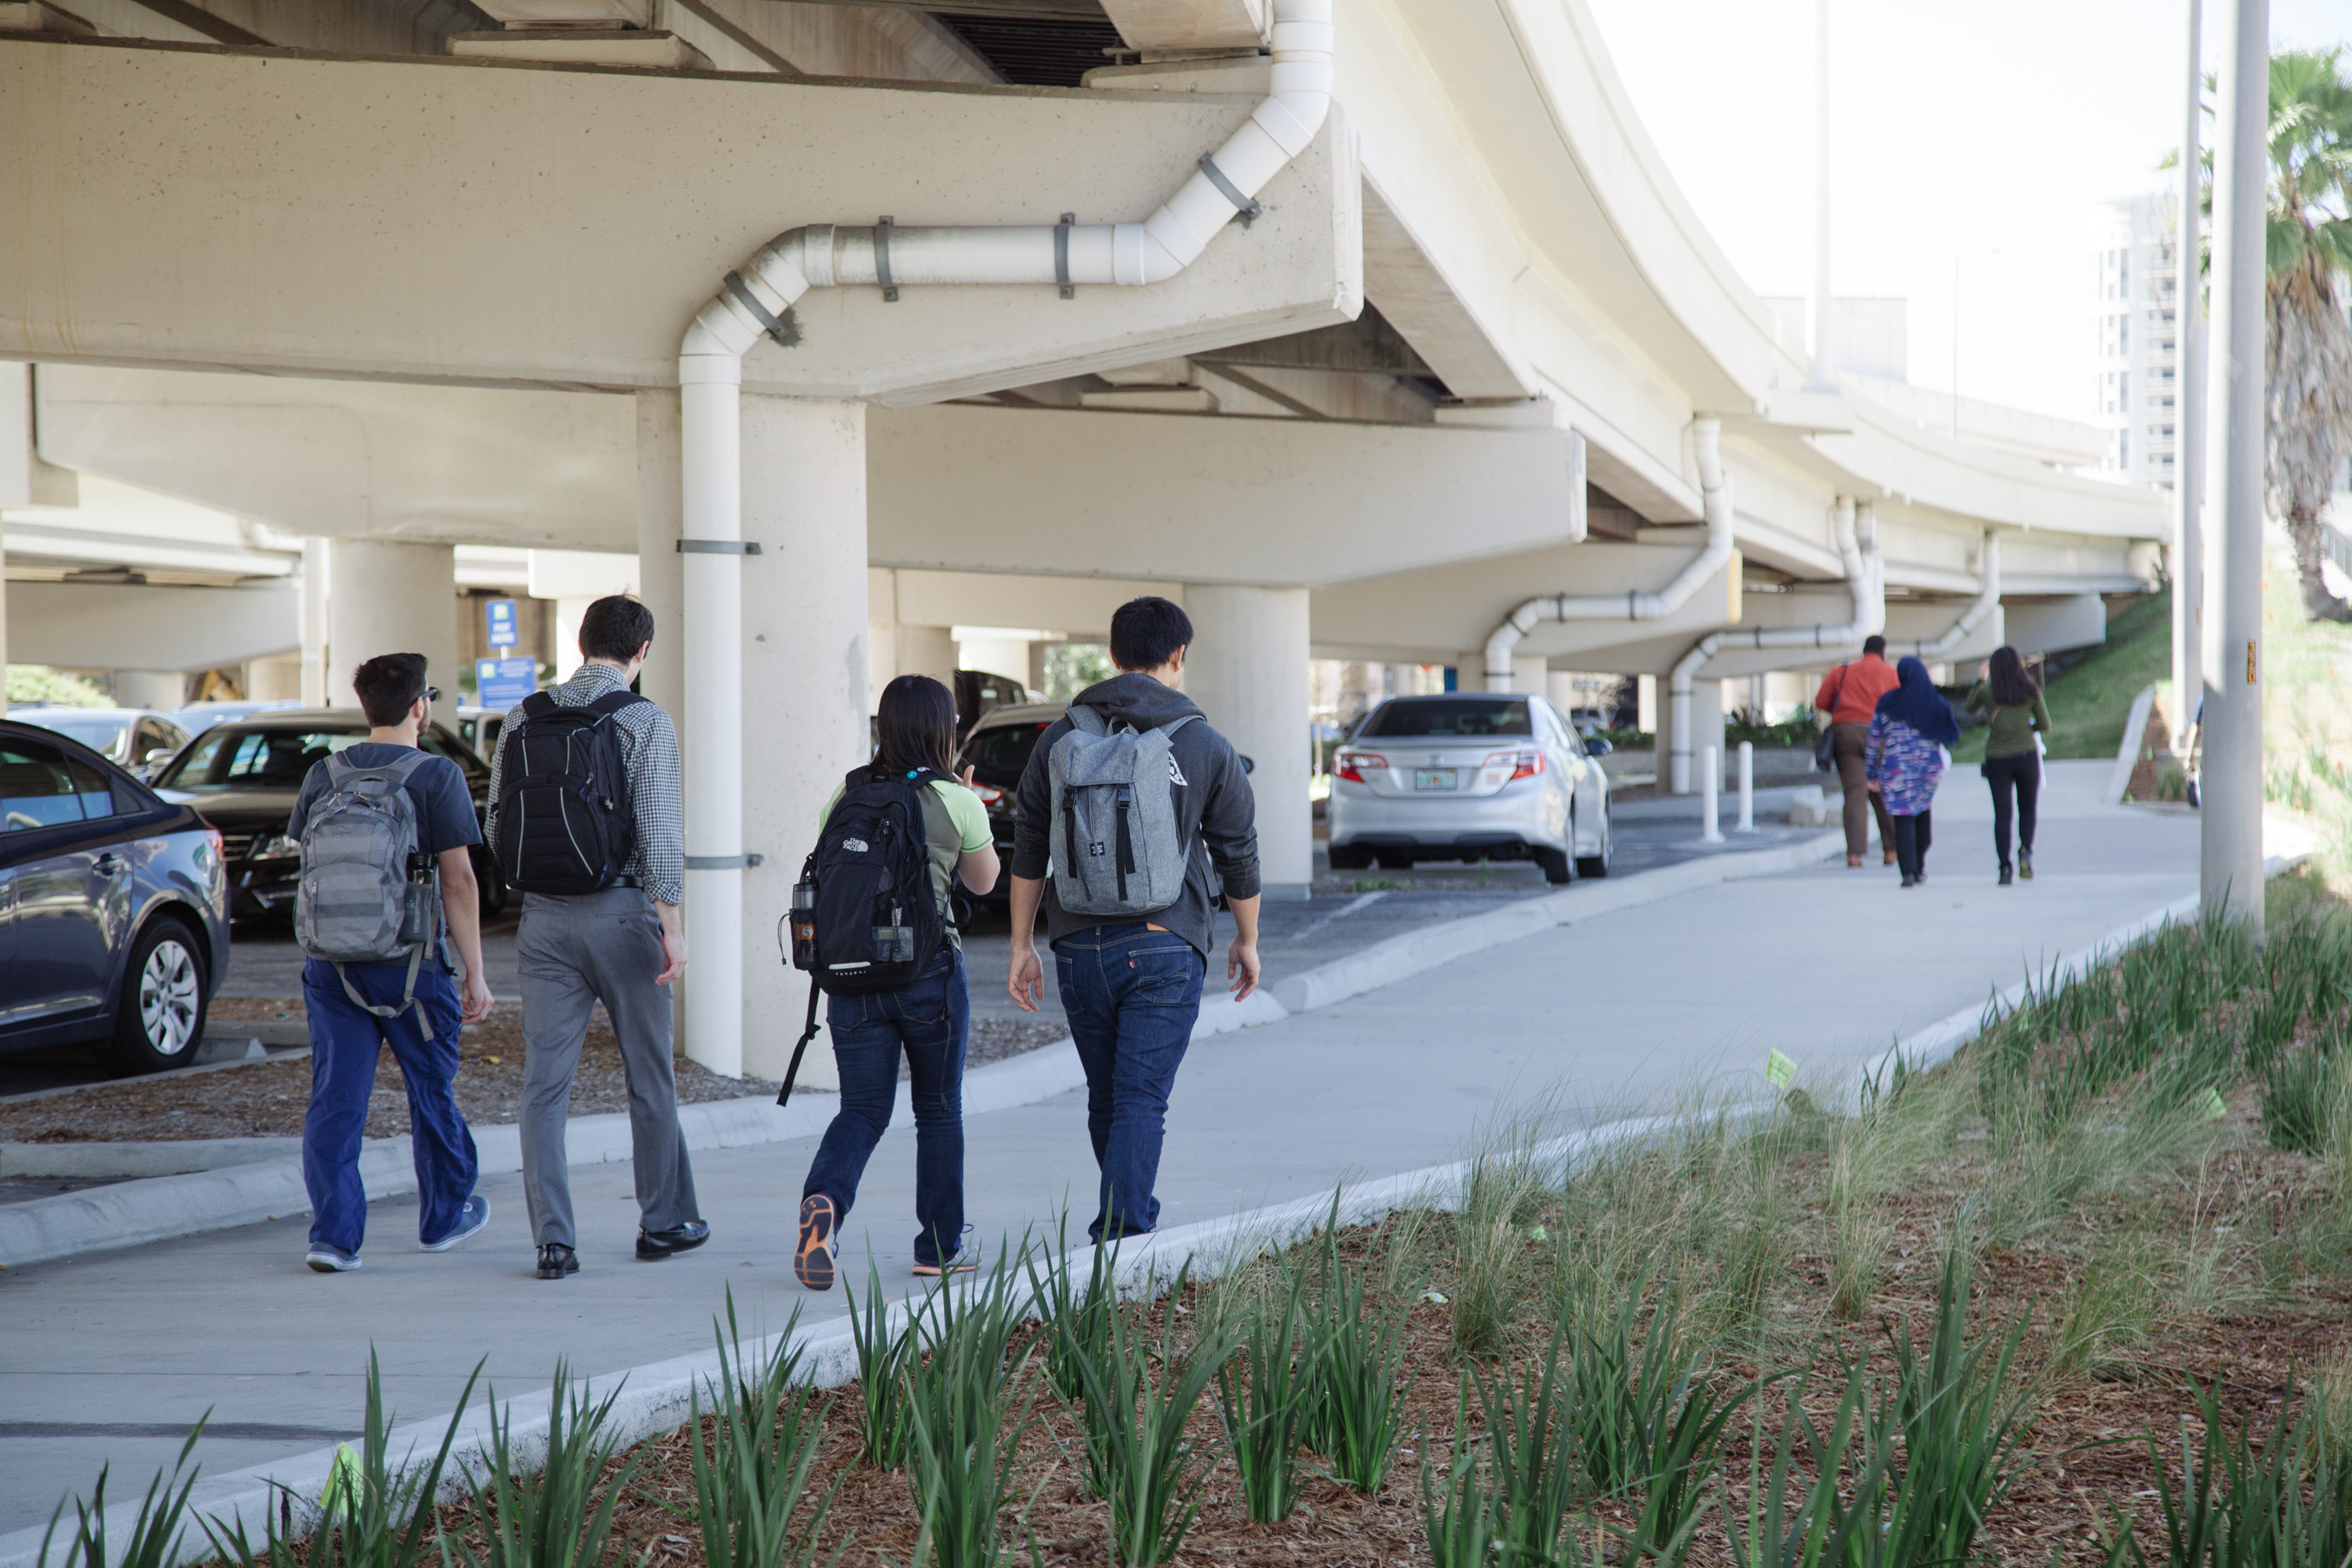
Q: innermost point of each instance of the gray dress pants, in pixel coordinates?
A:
(575, 953)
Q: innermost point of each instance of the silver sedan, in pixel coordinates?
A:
(1469, 776)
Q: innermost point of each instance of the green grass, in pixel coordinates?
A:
(2090, 703)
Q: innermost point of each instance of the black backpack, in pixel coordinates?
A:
(864, 917)
(565, 821)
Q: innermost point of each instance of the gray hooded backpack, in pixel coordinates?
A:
(365, 895)
(1117, 847)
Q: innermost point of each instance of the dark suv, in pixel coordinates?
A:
(996, 751)
(113, 908)
(242, 776)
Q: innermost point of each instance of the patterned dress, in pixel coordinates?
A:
(1904, 765)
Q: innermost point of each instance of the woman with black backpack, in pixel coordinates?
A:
(873, 814)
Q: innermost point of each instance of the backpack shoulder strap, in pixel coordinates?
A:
(1087, 720)
(611, 702)
(1175, 724)
(537, 705)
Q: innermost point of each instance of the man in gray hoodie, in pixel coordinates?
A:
(1132, 988)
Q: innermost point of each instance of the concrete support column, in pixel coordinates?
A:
(314, 623)
(163, 689)
(2229, 817)
(1008, 656)
(394, 598)
(932, 651)
(1247, 669)
(1530, 674)
(1706, 730)
(804, 671)
(570, 611)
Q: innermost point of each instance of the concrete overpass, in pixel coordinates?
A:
(403, 280)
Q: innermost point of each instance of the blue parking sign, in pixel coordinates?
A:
(499, 614)
(505, 681)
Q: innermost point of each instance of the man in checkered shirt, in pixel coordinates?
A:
(622, 946)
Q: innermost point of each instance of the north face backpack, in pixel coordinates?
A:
(367, 894)
(864, 917)
(1116, 847)
(564, 823)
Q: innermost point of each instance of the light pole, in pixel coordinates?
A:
(2231, 818)
(2189, 413)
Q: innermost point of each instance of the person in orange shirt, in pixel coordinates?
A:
(1848, 696)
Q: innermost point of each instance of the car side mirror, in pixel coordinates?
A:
(158, 754)
(1595, 746)
(1247, 765)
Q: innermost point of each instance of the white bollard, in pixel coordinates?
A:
(1747, 786)
(1710, 784)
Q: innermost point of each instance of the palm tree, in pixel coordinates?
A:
(2308, 255)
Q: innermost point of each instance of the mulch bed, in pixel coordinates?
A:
(267, 1099)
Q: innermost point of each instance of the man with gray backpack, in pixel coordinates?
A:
(386, 831)
(1129, 802)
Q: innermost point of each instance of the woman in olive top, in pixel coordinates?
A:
(2011, 704)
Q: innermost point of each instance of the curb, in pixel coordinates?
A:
(658, 1397)
(156, 1207)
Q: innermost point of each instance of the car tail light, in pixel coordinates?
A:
(1352, 764)
(214, 834)
(1523, 765)
(990, 796)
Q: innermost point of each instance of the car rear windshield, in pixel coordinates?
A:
(1449, 716)
(102, 735)
(225, 757)
(997, 756)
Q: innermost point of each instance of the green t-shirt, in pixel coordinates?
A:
(954, 825)
(2012, 727)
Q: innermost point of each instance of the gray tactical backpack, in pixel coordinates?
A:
(1117, 847)
(367, 894)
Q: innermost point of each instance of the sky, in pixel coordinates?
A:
(1979, 133)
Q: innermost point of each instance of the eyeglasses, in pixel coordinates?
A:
(432, 694)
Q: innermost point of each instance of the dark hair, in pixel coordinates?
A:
(1873, 645)
(615, 626)
(916, 725)
(389, 685)
(2005, 673)
(1146, 633)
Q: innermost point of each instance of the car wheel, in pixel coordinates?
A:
(1554, 863)
(1597, 864)
(1348, 857)
(159, 1018)
(1392, 859)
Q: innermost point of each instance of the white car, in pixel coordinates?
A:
(1466, 776)
(136, 740)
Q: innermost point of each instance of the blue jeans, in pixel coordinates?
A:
(1132, 995)
(927, 1021)
(344, 1042)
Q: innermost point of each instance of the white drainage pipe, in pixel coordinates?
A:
(1988, 596)
(755, 302)
(1714, 491)
(1864, 580)
(1712, 833)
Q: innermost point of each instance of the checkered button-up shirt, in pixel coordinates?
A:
(649, 747)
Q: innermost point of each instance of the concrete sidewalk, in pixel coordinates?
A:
(110, 1357)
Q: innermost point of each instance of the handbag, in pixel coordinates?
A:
(1825, 743)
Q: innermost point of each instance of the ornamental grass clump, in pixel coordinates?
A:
(555, 1514)
(1076, 1320)
(1140, 1397)
(1262, 1393)
(2288, 1504)
(155, 1534)
(374, 1514)
(964, 1430)
(886, 1349)
(1355, 1407)
(754, 1500)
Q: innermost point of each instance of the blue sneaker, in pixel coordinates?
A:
(326, 1260)
(470, 1221)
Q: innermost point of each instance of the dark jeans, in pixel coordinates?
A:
(1912, 834)
(927, 1021)
(1132, 995)
(2022, 774)
(344, 1042)
(1847, 745)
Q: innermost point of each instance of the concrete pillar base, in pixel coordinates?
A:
(1247, 669)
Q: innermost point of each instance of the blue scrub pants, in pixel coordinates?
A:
(344, 1040)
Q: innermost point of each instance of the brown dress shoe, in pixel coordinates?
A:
(1890, 857)
(1853, 860)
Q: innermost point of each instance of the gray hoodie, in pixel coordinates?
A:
(1215, 810)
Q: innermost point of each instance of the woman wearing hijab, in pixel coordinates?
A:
(1904, 761)
(2012, 706)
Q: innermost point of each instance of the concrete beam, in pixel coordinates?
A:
(1188, 498)
(89, 626)
(314, 213)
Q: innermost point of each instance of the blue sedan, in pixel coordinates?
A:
(113, 908)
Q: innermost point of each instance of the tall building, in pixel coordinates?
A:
(2135, 342)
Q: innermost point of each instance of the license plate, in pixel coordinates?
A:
(1432, 778)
